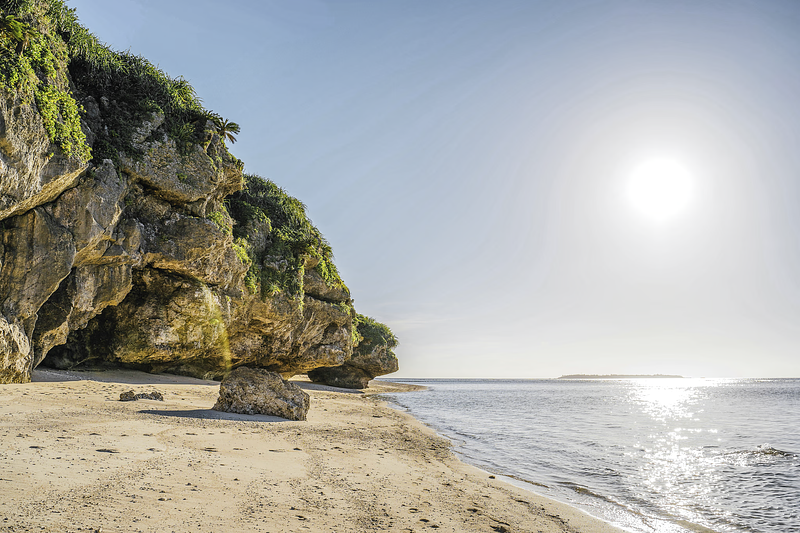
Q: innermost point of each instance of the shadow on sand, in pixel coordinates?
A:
(210, 414)
(307, 385)
(116, 376)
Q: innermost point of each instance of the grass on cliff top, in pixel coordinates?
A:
(290, 238)
(373, 333)
(128, 87)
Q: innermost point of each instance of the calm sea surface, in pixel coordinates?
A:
(651, 455)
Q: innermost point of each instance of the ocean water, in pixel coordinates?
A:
(650, 455)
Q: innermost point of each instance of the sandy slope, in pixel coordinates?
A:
(74, 458)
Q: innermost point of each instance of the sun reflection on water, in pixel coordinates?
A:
(674, 463)
(669, 399)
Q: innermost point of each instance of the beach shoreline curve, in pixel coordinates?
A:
(75, 458)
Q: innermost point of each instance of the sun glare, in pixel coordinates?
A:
(660, 188)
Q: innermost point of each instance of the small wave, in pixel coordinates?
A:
(764, 450)
(528, 481)
(588, 492)
(696, 528)
(650, 518)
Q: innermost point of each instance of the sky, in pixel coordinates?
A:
(470, 162)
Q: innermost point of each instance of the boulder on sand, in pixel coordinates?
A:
(132, 396)
(256, 391)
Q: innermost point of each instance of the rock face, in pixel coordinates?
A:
(157, 253)
(358, 371)
(260, 392)
(371, 358)
(33, 170)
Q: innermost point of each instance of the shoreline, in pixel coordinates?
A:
(74, 458)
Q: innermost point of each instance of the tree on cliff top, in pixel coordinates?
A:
(226, 128)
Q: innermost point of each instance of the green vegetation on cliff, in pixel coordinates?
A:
(373, 333)
(33, 64)
(128, 87)
(273, 229)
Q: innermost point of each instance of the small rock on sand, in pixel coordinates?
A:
(132, 395)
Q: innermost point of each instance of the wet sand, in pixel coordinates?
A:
(75, 458)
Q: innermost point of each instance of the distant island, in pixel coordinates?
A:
(617, 376)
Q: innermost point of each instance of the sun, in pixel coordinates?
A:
(660, 188)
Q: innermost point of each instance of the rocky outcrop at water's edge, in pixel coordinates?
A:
(372, 357)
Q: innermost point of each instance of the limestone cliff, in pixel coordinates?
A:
(372, 356)
(130, 234)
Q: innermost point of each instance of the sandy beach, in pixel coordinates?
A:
(75, 458)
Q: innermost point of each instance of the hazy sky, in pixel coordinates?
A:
(469, 163)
